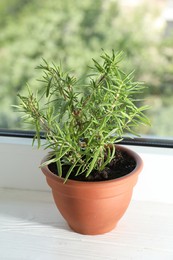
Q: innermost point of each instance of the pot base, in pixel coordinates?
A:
(86, 231)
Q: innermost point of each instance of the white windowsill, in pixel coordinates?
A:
(32, 228)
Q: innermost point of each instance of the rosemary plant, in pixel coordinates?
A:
(78, 127)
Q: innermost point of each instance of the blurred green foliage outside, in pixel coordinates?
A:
(73, 32)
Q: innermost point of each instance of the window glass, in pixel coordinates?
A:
(75, 31)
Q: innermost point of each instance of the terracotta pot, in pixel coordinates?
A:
(94, 207)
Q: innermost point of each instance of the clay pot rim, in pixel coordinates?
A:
(136, 171)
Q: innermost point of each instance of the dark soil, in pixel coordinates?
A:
(121, 165)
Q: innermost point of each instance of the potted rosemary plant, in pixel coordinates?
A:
(91, 177)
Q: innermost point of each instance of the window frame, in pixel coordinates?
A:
(137, 141)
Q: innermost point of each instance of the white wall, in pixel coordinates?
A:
(20, 161)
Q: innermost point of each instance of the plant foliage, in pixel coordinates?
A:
(79, 126)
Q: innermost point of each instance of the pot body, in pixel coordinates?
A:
(94, 207)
